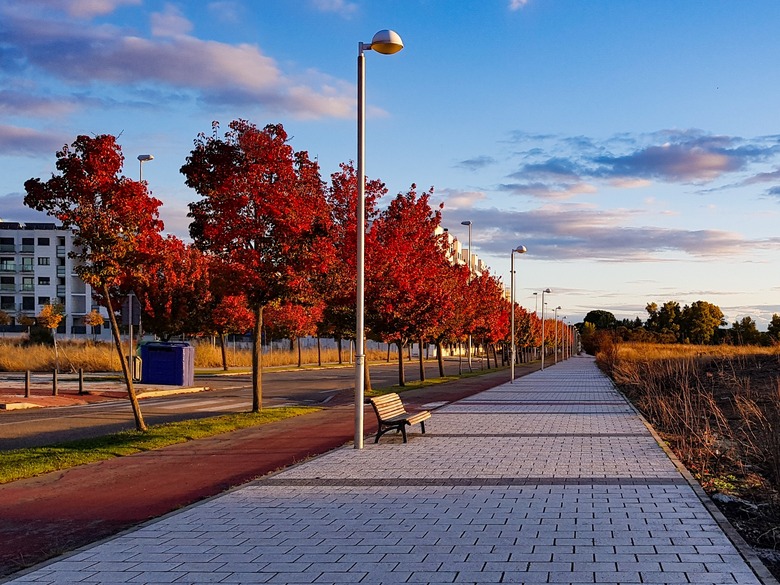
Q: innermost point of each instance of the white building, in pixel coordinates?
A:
(35, 270)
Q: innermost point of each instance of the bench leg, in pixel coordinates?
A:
(403, 432)
(422, 426)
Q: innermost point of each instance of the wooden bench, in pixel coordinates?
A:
(392, 415)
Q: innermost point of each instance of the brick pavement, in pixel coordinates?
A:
(552, 479)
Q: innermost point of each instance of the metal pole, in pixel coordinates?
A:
(361, 241)
(470, 273)
(81, 381)
(542, 329)
(556, 335)
(27, 384)
(512, 309)
(54, 389)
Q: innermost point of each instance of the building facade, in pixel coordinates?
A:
(36, 270)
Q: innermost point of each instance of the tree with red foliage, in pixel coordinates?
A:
(263, 212)
(491, 321)
(229, 314)
(340, 284)
(453, 326)
(113, 218)
(405, 299)
(173, 289)
(292, 321)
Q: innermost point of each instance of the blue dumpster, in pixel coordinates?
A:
(170, 363)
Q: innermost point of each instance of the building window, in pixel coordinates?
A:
(7, 304)
(44, 281)
(28, 303)
(28, 284)
(43, 261)
(8, 283)
(43, 241)
(44, 300)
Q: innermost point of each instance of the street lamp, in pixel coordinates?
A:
(468, 223)
(519, 250)
(385, 42)
(536, 303)
(556, 333)
(142, 158)
(547, 290)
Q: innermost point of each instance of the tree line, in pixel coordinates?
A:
(698, 323)
(273, 250)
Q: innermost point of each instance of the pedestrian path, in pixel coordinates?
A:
(551, 479)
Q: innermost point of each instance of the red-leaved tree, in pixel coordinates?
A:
(263, 212)
(113, 218)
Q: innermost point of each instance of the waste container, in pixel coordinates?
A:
(171, 363)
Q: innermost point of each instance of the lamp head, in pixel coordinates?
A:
(520, 250)
(387, 42)
(145, 157)
(465, 223)
(547, 290)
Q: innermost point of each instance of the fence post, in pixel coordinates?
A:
(54, 384)
(27, 384)
(81, 381)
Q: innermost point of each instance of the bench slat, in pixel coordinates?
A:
(390, 413)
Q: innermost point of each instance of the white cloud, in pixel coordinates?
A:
(517, 4)
(170, 23)
(341, 7)
(456, 199)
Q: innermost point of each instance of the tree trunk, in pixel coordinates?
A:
(388, 353)
(495, 356)
(319, 352)
(298, 343)
(139, 419)
(422, 362)
(338, 348)
(257, 361)
(223, 350)
(401, 380)
(440, 359)
(366, 372)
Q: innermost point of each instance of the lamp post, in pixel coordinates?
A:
(547, 290)
(519, 250)
(556, 333)
(385, 42)
(536, 303)
(142, 158)
(468, 223)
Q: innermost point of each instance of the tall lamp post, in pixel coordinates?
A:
(142, 158)
(556, 333)
(547, 290)
(386, 42)
(536, 303)
(519, 250)
(468, 223)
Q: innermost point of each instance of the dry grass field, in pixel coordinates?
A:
(101, 357)
(718, 408)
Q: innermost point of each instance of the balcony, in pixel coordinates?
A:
(8, 248)
(27, 287)
(61, 251)
(8, 307)
(60, 290)
(27, 268)
(27, 249)
(60, 271)
(7, 267)
(10, 287)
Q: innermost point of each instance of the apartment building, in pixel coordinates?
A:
(35, 270)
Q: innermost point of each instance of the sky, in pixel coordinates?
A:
(632, 147)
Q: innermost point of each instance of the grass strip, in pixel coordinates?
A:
(25, 463)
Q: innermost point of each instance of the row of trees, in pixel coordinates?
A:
(273, 246)
(698, 323)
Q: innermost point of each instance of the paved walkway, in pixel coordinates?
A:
(552, 479)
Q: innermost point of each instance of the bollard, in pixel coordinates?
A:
(27, 384)
(81, 381)
(54, 384)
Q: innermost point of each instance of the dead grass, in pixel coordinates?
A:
(101, 357)
(718, 408)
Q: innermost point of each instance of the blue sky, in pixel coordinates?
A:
(632, 147)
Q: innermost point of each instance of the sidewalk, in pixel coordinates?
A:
(552, 479)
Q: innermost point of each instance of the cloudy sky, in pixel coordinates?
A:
(632, 147)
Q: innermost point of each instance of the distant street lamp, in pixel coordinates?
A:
(519, 250)
(385, 42)
(536, 303)
(556, 333)
(547, 290)
(468, 223)
(142, 158)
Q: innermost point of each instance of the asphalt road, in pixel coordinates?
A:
(324, 387)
